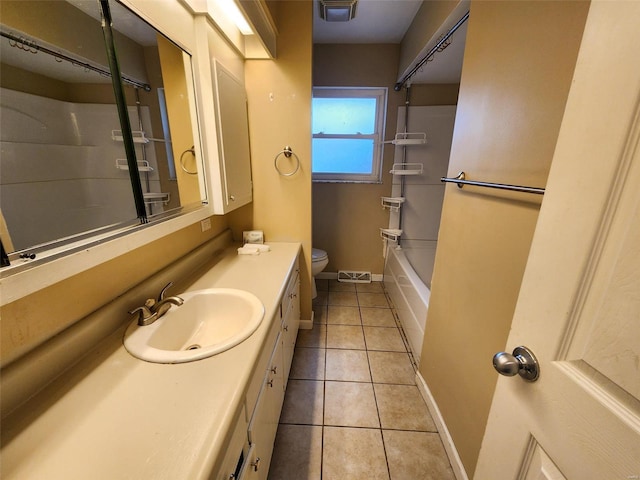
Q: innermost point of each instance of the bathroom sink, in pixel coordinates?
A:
(209, 322)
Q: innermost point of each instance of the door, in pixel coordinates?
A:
(579, 303)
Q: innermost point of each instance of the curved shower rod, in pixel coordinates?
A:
(431, 52)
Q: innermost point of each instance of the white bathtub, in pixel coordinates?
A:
(410, 297)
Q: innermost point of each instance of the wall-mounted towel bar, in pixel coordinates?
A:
(460, 181)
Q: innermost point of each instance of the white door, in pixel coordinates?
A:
(579, 304)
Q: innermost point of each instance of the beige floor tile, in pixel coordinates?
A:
(391, 367)
(322, 285)
(345, 336)
(372, 300)
(345, 299)
(338, 315)
(308, 364)
(383, 338)
(303, 403)
(377, 317)
(319, 314)
(297, 453)
(353, 454)
(416, 455)
(347, 365)
(321, 299)
(373, 287)
(401, 407)
(350, 404)
(336, 286)
(316, 337)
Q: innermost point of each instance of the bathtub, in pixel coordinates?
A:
(409, 295)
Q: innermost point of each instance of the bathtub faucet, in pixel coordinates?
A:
(152, 309)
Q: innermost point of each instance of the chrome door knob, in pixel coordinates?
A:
(522, 362)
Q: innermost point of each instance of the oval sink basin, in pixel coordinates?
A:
(209, 322)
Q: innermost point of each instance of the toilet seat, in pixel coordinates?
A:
(318, 255)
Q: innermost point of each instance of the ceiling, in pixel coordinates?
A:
(386, 21)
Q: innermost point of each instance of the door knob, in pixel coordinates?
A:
(522, 362)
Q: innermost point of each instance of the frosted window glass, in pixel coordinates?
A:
(348, 127)
(332, 155)
(344, 115)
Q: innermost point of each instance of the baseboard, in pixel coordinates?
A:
(447, 441)
(307, 324)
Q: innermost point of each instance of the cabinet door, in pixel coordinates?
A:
(264, 423)
(290, 324)
(275, 383)
(237, 445)
(233, 141)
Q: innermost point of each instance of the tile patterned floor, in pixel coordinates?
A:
(352, 409)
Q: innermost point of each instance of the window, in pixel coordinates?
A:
(348, 129)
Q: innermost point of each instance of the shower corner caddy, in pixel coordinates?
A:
(138, 136)
(158, 197)
(392, 234)
(143, 165)
(406, 138)
(407, 169)
(392, 203)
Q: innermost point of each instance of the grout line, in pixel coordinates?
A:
(375, 399)
(324, 403)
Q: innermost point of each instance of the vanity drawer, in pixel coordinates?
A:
(257, 378)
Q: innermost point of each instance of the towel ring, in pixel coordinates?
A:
(287, 152)
(193, 152)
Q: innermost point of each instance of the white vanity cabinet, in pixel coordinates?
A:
(265, 392)
(290, 308)
(264, 422)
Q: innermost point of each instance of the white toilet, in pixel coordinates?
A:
(319, 260)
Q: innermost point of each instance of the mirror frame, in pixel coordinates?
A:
(174, 21)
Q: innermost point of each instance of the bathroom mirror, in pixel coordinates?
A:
(63, 168)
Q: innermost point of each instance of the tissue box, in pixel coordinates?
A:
(253, 236)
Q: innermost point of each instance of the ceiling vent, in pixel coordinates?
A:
(337, 10)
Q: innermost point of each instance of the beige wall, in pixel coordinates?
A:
(279, 102)
(518, 66)
(347, 217)
(179, 113)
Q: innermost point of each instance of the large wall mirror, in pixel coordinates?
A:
(63, 168)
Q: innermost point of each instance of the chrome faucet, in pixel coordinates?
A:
(152, 309)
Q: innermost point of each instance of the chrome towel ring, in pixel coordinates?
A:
(287, 152)
(193, 152)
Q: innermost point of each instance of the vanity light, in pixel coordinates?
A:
(337, 10)
(232, 11)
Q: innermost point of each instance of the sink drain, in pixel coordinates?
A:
(195, 346)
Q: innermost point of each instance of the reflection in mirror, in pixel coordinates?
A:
(63, 170)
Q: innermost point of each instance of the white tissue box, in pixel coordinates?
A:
(253, 236)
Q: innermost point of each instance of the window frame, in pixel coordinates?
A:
(380, 94)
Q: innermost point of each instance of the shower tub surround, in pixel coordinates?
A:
(408, 270)
(52, 163)
(114, 416)
(409, 296)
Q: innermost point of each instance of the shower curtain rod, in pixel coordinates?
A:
(31, 44)
(437, 46)
(461, 181)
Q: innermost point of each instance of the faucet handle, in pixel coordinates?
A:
(144, 313)
(164, 291)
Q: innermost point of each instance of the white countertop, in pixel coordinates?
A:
(113, 416)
